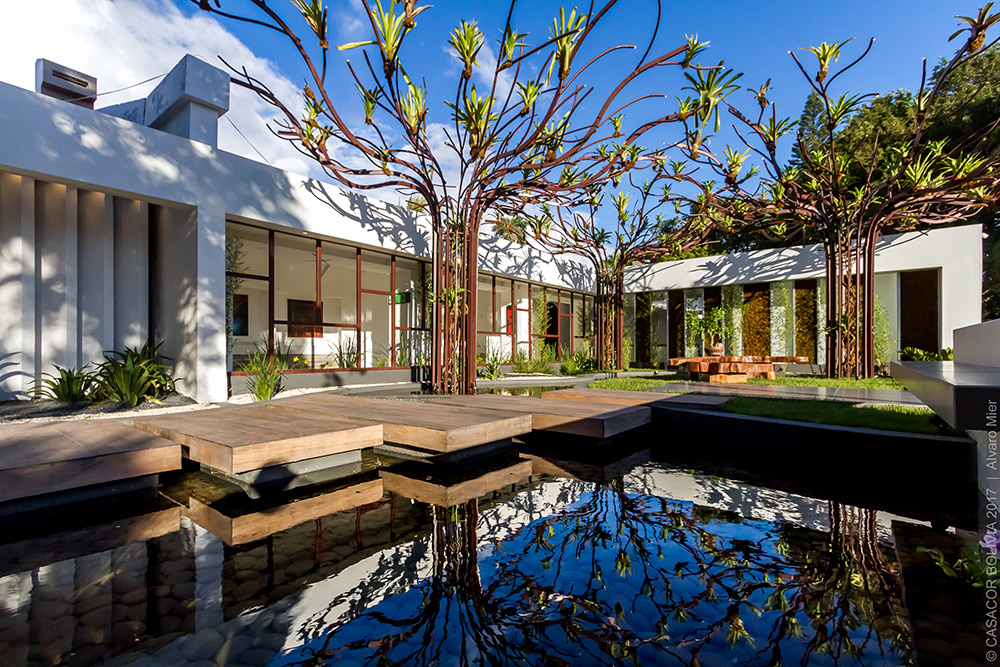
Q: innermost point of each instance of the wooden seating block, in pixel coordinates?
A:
(423, 424)
(591, 420)
(237, 440)
(46, 457)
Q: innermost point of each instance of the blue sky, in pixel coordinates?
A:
(752, 37)
(124, 42)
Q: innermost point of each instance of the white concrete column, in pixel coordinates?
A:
(211, 307)
(17, 285)
(131, 239)
(71, 219)
(51, 341)
(96, 275)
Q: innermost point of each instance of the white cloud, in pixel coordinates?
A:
(122, 42)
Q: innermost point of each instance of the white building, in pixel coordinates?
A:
(926, 285)
(113, 229)
(114, 226)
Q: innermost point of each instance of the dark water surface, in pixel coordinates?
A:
(543, 561)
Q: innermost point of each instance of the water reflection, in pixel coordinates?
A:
(614, 561)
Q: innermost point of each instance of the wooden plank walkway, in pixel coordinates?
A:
(620, 397)
(574, 417)
(427, 484)
(235, 519)
(42, 458)
(425, 425)
(238, 440)
(601, 467)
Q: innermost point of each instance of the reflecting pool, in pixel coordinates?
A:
(530, 560)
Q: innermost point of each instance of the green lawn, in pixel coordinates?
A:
(849, 383)
(630, 384)
(786, 380)
(881, 417)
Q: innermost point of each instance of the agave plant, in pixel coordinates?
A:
(66, 384)
(133, 376)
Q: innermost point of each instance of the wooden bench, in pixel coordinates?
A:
(733, 369)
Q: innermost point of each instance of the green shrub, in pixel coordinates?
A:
(916, 354)
(579, 363)
(545, 354)
(493, 361)
(133, 376)
(70, 385)
(264, 373)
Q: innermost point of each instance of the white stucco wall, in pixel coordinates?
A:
(956, 251)
(67, 149)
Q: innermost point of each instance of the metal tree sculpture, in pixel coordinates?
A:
(512, 144)
(847, 191)
(641, 233)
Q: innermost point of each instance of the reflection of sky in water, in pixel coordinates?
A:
(609, 576)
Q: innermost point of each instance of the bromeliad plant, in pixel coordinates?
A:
(851, 179)
(533, 131)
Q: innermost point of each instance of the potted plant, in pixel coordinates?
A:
(710, 326)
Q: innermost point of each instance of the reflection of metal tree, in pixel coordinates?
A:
(640, 234)
(847, 190)
(511, 142)
(619, 578)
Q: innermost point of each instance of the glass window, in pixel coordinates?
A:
(484, 304)
(411, 293)
(376, 334)
(294, 272)
(522, 333)
(252, 248)
(375, 270)
(339, 272)
(413, 348)
(505, 311)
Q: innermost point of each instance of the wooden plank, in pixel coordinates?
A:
(727, 378)
(426, 425)
(236, 528)
(411, 484)
(601, 466)
(27, 554)
(619, 397)
(241, 439)
(46, 457)
(588, 419)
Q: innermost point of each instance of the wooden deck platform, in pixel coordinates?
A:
(654, 399)
(446, 487)
(235, 519)
(42, 458)
(239, 440)
(573, 417)
(424, 425)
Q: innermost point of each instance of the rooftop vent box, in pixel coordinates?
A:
(63, 83)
